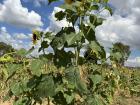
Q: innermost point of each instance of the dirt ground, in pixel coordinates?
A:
(120, 101)
(127, 101)
(6, 103)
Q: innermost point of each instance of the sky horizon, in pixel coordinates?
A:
(19, 17)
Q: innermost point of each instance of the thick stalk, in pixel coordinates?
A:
(77, 52)
(77, 49)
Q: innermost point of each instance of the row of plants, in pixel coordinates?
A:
(89, 84)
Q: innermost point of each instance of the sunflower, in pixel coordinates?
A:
(35, 36)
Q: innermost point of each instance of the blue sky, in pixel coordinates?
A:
(19, 17)
(44, 11)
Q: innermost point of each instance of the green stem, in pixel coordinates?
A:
(77, 49)
(76, 56)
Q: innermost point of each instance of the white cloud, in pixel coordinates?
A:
(21, 36)
(12, 12)
(119, 29)
(123, 26)
(135, 62)
(15, 42)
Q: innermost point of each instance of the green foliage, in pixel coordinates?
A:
(36, 67)
(119, 53)
(46, 87)
(4, 48)
(65, 83)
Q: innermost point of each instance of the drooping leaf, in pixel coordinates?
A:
(109, 9)
(89, 33)
(97, 49)
(92, 19)
(30, 50)
(99, 21)
(44, 45)
(71, 16)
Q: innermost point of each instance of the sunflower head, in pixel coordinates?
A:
(35, 36)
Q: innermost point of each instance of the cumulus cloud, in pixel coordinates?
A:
(16, 40)
(119, 29)
(12, 12)
(21, 36)
(123, 26)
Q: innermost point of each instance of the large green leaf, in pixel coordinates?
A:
(44, 45)
(12, 68)
(96, 79)
(99, 21)
(16, 89)
(97, 49)
(60, 15)
(89, 33)
(19, 87)
(71, 16)
(22, 52)
(36, 67)
(46, 87)
(72, 75)
(117, 56)
(63, 58)
(73, 39)
(58, 42)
